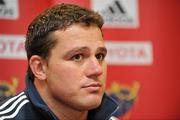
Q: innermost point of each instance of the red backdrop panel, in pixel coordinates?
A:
(159, 23)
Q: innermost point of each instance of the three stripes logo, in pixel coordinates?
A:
(117, 13)
(115, 8)
(11, 107)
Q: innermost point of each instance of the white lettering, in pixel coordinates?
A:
(132, 53)
(12, 46)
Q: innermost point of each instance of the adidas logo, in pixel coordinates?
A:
(115, 8)
(8, 9)
(118, 13)
(12, 106)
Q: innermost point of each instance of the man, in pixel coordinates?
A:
(67, 71)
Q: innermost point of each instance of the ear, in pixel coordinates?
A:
(38, 67)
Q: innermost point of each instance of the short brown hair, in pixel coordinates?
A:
(58, 17)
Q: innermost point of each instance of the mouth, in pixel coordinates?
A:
(93, 87)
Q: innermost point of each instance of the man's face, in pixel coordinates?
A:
(76, 69)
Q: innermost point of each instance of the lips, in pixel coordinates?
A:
(94, 84)
(93, 87)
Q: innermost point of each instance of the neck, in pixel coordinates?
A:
(61, 110)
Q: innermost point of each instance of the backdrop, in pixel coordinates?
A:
(142, 38)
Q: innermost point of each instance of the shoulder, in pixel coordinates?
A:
(10, 108)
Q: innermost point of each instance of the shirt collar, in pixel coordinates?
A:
(107, 109)
(36, 99)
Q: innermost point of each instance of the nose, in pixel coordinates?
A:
(94, 68)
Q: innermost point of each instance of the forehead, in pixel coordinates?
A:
(77, 36)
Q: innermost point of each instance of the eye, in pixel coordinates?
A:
(100, 56)
(77, 57)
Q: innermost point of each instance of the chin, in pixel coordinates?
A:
(91, 102)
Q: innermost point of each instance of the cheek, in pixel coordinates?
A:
(64, 81)
(65, 75)
(103, 77)
(67, 72)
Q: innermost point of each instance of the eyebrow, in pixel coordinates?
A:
(102, 49)
(76, 50)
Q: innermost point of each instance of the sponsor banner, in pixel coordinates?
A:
(12, 47)
(130, 52)
(118, 13)
(119, 53)
(9, 9)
